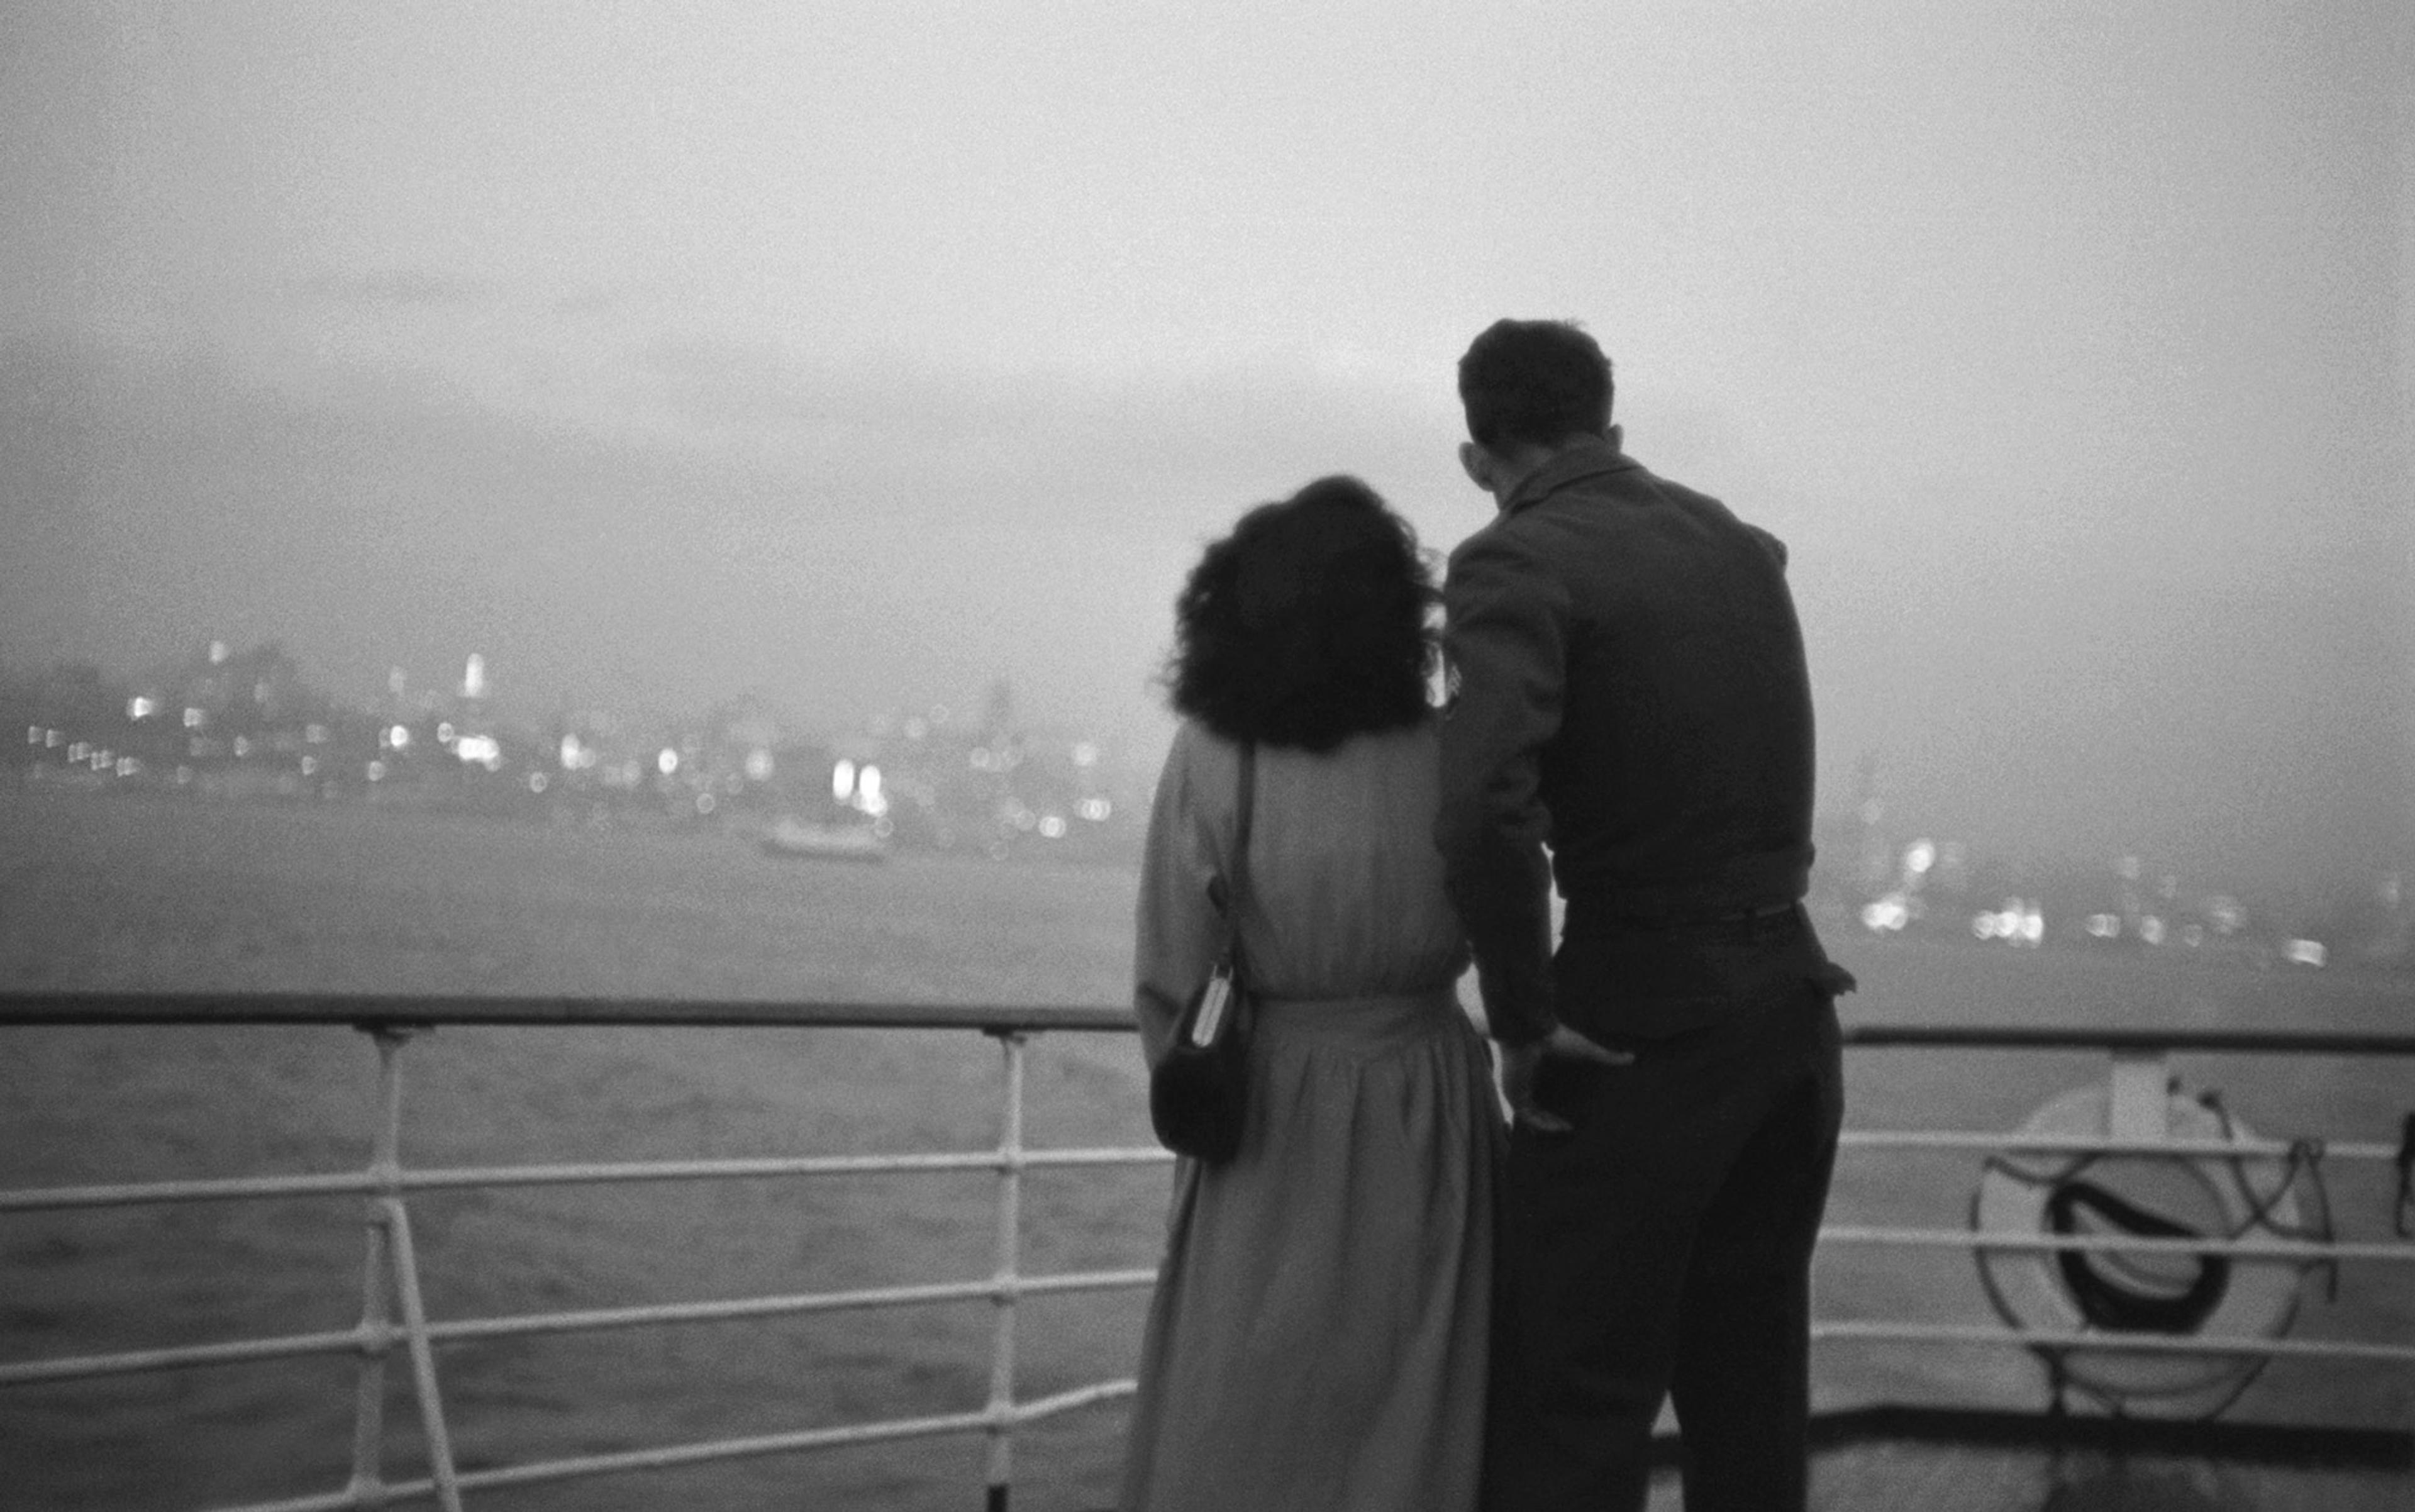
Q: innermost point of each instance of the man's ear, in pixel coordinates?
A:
(1479, 464)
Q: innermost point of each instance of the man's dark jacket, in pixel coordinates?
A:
(1628, 689)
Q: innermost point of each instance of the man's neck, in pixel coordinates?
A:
(1511, 469)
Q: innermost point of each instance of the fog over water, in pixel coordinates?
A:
(859, 357)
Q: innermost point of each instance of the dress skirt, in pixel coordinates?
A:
(1317, 1339)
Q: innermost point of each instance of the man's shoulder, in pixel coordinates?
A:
(1641, 482)
(1510, 549)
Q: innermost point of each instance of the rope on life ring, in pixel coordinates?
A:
(2114, 1292)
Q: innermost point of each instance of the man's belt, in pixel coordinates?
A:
(1746, 887)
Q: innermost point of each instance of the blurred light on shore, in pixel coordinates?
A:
(483, 749)
(867, 791)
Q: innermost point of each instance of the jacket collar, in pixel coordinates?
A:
(1586, 459)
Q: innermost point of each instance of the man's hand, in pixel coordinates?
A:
(1519, 1064)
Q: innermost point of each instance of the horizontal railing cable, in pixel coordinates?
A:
(359, 1008)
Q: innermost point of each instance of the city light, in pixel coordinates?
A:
(669, 762)
(867, 791)
(843, 780)
(2019, 921)
(1886, 915)
(483, 749)
(139, 707)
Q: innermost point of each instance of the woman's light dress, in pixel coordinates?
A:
(1318, 1335)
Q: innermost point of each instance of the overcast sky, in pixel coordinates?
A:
(859, 355)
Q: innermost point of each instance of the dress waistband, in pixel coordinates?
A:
(1406, 1015)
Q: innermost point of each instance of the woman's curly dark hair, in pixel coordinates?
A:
(1310, 624)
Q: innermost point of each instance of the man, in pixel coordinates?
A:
(1631, 693)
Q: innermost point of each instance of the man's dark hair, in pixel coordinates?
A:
(1534, 382)
(1308, 625)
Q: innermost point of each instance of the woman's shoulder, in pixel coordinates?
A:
(1202, 758)
(1195, 741)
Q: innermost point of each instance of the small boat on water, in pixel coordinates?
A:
(797, 838)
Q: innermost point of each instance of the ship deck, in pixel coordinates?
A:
(1905, 1477)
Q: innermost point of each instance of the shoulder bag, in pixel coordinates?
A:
(1198, 1092)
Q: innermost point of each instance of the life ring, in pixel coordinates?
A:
(2109, 1292)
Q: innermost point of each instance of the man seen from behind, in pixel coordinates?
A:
(1631, 718)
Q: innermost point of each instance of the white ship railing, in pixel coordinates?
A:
(391, 1274)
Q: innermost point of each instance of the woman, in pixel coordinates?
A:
(1318, 1337)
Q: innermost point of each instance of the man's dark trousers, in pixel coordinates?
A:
(1663, 1247)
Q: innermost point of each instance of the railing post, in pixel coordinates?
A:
(367, 1487)
(1008, 1279)
(392, 1261)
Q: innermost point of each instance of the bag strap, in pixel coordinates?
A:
(1235, 887)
